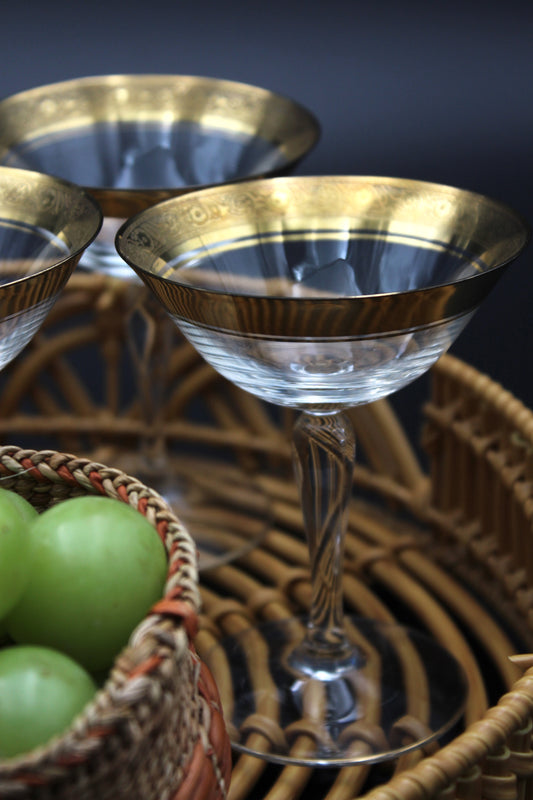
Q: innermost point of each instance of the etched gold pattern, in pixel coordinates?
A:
(52, 208)
(59, 109)
(489, 234)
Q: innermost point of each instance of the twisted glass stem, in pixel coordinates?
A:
(324, 456)
(150, 340)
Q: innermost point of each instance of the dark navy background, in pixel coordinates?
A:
(439, 91)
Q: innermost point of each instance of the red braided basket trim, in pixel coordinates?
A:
(67, 476)
(32, 469)
(96, 480)
(198, 778)
(181, 610)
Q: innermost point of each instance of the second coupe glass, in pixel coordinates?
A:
(133, 140)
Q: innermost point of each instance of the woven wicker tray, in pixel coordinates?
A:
(448, 548)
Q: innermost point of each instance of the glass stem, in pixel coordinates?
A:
(151, 347)
(324, 456)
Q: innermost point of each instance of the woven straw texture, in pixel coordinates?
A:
(155, 729)
(448, 546)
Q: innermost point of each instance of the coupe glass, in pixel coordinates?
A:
(321, 294)
(45, 226)
(133, 140)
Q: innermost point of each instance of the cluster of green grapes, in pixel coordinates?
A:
(75, 580)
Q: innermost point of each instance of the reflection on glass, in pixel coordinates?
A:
(147, 155)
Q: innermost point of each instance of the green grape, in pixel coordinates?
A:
(14, 548)
(25, 508)
(41, 691)
(97, 567)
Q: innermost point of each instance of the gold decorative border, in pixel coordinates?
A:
(489, 232)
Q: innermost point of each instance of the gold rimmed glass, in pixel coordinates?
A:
(321, 294)
(132, 141)
(46, 224)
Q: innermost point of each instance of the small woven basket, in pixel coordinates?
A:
(155, 729)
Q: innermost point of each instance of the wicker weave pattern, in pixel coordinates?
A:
(492, 757)
(480, 439)
(155, 727)
(452, 546)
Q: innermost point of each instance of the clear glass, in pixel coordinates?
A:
(326, 373)
(148, 156)
(25, 250)
(322, 294)
(144, 156)
(132, 140)
(321, 666)
(323, 371)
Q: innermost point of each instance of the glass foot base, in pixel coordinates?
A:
(399, 691)
(225, 510)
